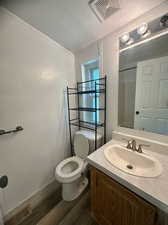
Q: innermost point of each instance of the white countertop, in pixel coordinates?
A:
(154, 190)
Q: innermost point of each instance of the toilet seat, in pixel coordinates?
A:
(69, 169)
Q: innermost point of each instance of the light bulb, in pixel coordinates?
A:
(125, 38)
(143, 30)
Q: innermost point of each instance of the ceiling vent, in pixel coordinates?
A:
(103, 9)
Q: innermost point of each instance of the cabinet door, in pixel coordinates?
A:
(113, 204)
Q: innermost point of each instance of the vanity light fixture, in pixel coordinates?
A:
(144, 33)
(143, 30)
(145, 40)
(126, 39)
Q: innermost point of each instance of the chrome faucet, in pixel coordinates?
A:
(129, 144)
(140, 147)
(133, 145)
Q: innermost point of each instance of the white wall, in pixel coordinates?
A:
(93, 51)
(110, 62)
(34, 72)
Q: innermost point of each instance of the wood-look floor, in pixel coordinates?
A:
(85, 218)
(40, 211)
(52, 209)
(70, 213)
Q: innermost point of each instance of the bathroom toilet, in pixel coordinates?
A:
(70, 172)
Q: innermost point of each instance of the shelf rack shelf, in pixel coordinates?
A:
(94, 88)
(87, 92)
(86, 125)
(86, 109)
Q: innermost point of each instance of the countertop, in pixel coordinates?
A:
(154, 190)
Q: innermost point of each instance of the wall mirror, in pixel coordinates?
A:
(143, 86)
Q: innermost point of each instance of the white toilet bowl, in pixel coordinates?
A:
(69, 172)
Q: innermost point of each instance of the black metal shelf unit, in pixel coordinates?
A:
(94, 88)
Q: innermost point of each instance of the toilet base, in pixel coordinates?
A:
(70, 191)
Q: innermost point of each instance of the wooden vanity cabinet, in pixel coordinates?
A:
(113, 204)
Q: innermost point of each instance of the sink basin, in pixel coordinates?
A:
(137, 164)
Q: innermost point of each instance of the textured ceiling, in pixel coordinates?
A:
(71, 22)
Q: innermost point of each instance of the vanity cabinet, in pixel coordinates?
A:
(113, 204)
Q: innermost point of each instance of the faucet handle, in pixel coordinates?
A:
(129, 143)
(134, 145)
(140, 147)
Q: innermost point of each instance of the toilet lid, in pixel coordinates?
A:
(81, 146)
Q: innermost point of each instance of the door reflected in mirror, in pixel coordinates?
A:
(143, 87)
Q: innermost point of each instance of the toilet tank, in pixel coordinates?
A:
(90, 135)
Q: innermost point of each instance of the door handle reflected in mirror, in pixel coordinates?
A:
(137, 112)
